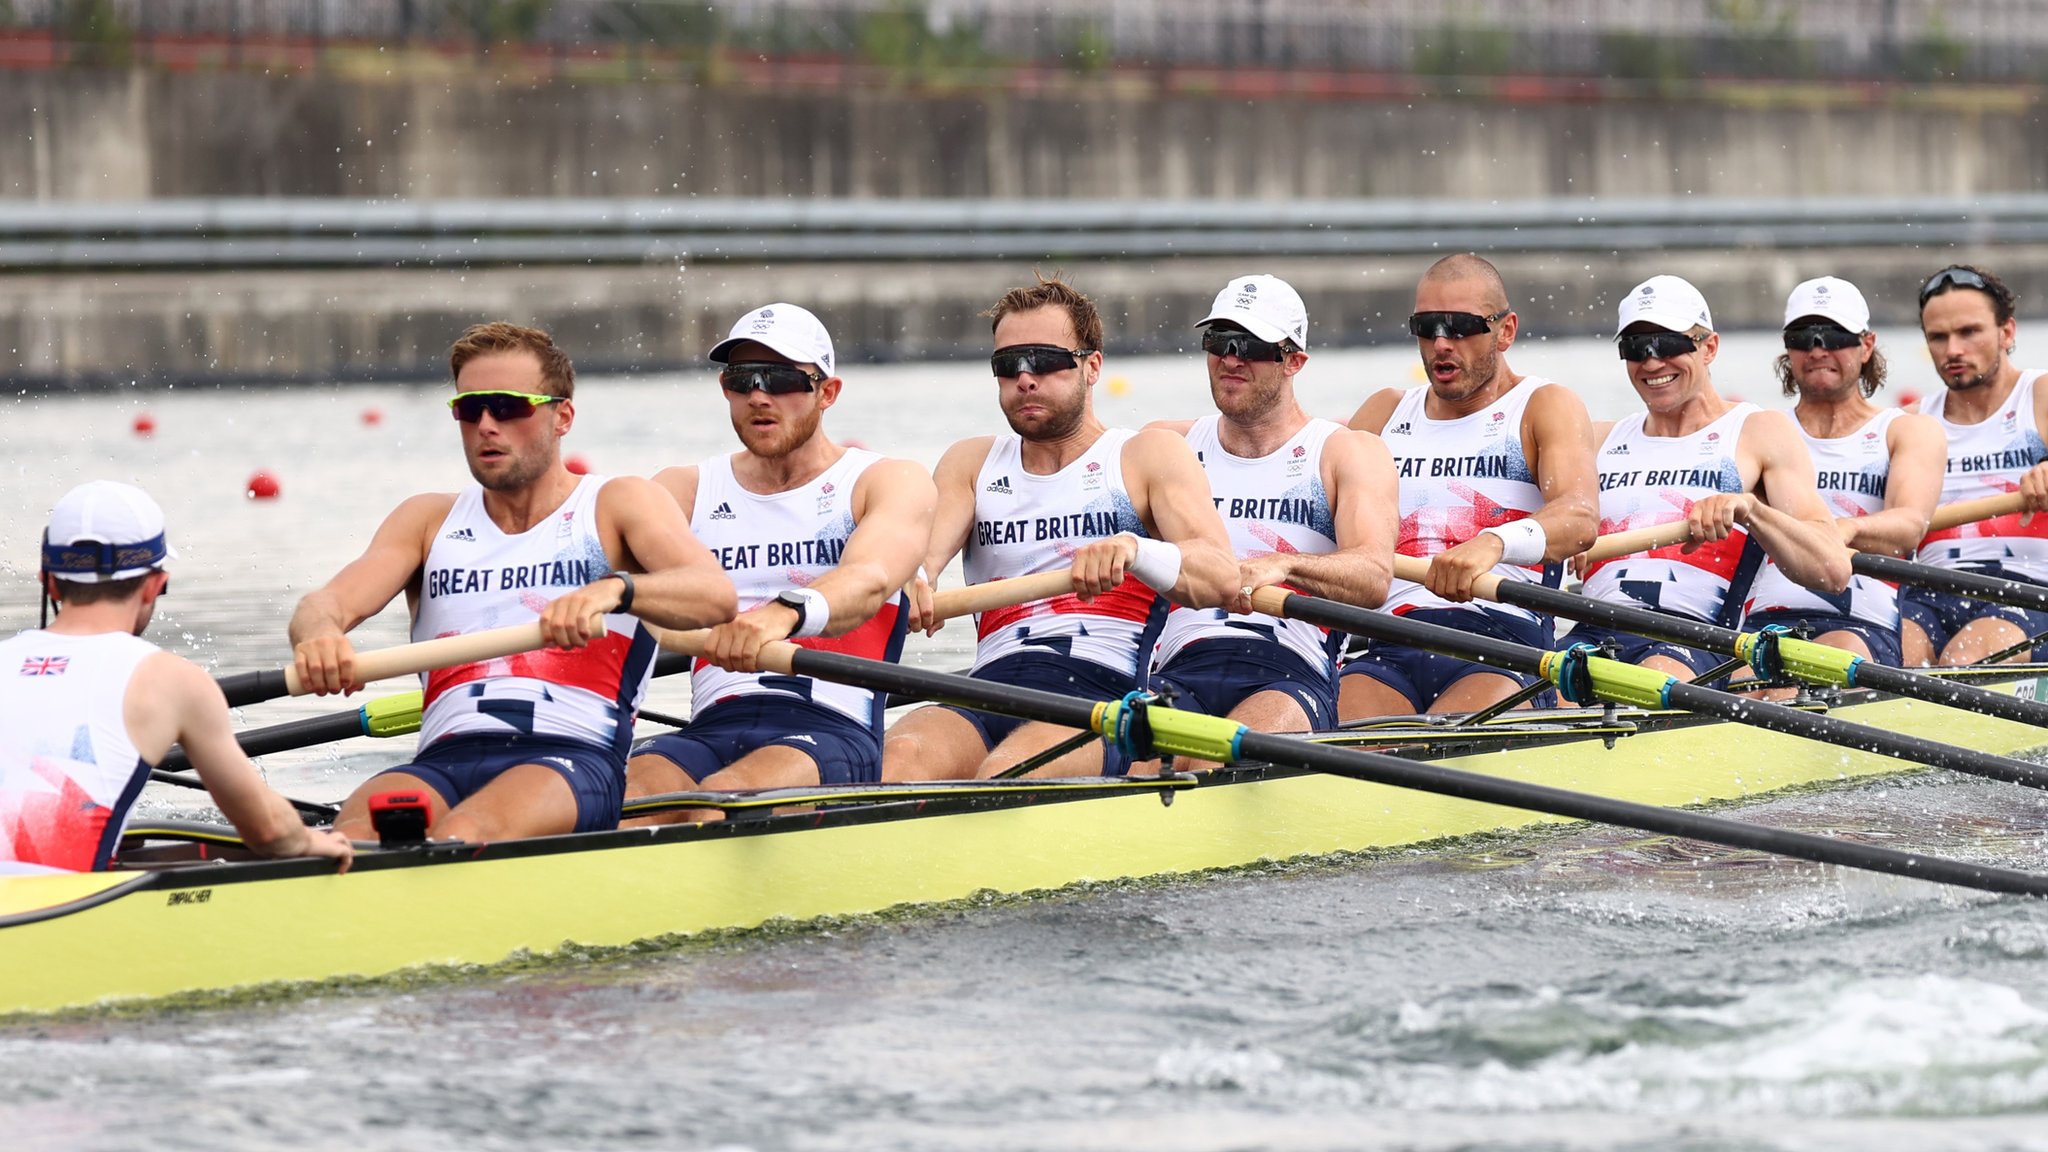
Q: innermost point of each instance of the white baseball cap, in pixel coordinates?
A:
(788, 329)
(1667, 302)
(1265, 306)
(1831, 297)
(105, 530)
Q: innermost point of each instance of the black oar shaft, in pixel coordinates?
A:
(1975, 585)
(1392, 770)
(1758, 713)
(1714, 638)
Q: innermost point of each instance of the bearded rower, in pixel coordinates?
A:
(819, 539)
(1996, 417)
(534, 744)
(1129, 512)
(1739, 477)
(88, 708)
(1878, 469)
(1309, 504)
(1496, 476)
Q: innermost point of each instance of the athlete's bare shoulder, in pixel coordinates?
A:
(1372, 415)
(963, 460)
(1177, 427)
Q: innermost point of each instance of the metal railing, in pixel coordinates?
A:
(1985, 40)
(281, 233)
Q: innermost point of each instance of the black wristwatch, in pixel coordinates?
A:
(626, 597)
(790, 597)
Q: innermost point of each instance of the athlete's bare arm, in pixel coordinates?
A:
(1358, 473)
(680, 483)
(1919, 456)
(2034, 482)
(390, 565)
(680, 585)
(171, 700)
(1171, 493)
(893, 502)
(1372, 415)
(1790, 519)
(952, 520)
(1177, 427)
(1557, 437)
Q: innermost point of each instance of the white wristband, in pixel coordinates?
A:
(1523, 541)
(1157, 562)
(817, 612)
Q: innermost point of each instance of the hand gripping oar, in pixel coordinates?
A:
(384, 663)
(1148, 730)
(1769, 652)
(1677, 531)
(1582, 676)
(391, 716)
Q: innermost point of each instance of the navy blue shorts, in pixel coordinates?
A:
(1215, 676)
(1882, 642)
(845, 752)
(458, 767)
(1047, 672)
(1942, 614)
(1630, 648)
(1422, 676)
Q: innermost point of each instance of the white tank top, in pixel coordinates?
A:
(786, 540)
(478, 578)
(1025, 524)
(68, 771)
(1987, 459)
(1457, 477)
(1851, 472)
(1275, 503)
(1650, 480)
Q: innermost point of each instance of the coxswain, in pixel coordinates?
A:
(533, 744)
(1128, 511)
(1995, 414)
(1877, 469)
(820, 539)
(1739, 477)
(1309, 504)
(88, 708)
(1496, 476)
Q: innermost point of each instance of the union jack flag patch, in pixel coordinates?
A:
(45, 665)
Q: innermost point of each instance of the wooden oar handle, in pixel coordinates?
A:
(444, 652)
(1001, 593)
(1970, 511)
(1638, 540)
(1416, 570)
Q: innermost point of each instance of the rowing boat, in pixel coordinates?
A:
(167, 927)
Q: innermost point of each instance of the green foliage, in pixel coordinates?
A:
(1633, 56)
(1464, 50)
(901, 39)
(97, 35)
(496, 21)
(1091, 50)
(1936, 55)
(666, 25)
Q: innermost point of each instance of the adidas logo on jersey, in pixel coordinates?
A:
(1618, 450)
(999, 484)
(806, 738)
(723, 512)
(1400, 429)
(461, 534)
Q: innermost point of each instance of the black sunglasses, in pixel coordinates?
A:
(1452, 325)
(1951, 278)
(1643, 346)
(1037, 359)
(742, 377)
(469, 407)
(1832, 337)
(1221, 342)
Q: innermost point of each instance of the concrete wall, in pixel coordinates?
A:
(130, 134)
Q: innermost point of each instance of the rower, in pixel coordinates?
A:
(1129, 511)
(1878, 470)
(820, 539)
(1733, 473)
(534, 744)
(88, 708)
(1496, 476)
(1996, 417)
(1308, 503)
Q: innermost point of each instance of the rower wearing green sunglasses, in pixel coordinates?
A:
(534, 744)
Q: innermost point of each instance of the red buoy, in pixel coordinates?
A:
(263, 485)
(372, 416)
(145, 424)
(577, 465)
(1908, 398)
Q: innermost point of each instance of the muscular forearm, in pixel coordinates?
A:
(1892, 532)
(856, 592)
(318, 614)
(1569, 528)
(1208, 576)
(1350, 576)
(683, 598)
(1807, 552)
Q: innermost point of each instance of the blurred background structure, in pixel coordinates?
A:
(321, 189)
